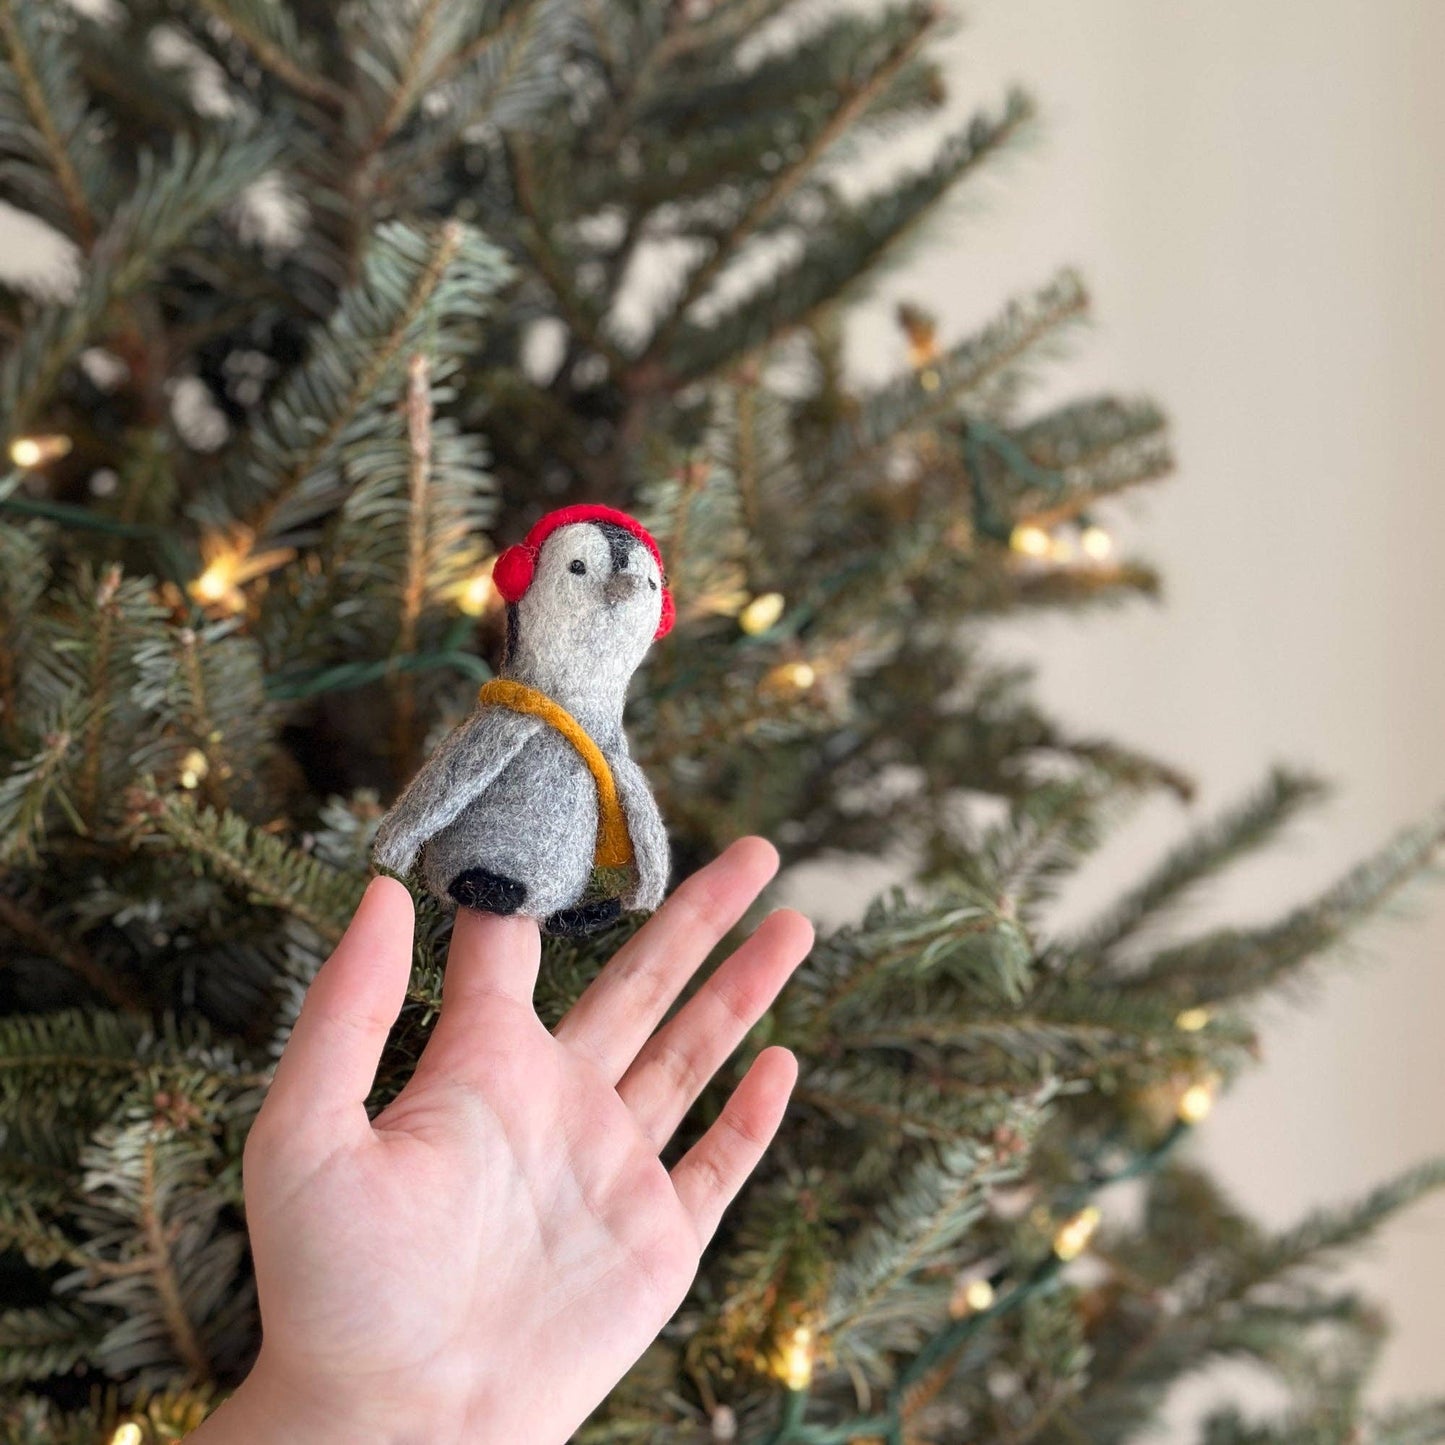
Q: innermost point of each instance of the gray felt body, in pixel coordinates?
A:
(506, 791)
(536, 823)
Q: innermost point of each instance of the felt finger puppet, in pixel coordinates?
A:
(533, 804)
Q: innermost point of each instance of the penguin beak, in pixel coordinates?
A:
(620, 586)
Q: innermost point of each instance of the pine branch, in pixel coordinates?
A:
(717, 30)
(1092, 449)
(419, 434)
(1253, 1303)
(842, 254)
(163, 1271)
(34, 787)
(36, 934)
(900, 943)
(1242, 830)
(854, 96)
(1241, 963)
(1048, 834)
(505, 80)
(46, 84)
(799, 86)
(152, 1180)
(920, 1223)
(99, 681)
(1067, 1032)
(536, 236)
(702, 134)
(170, 199)
(981, 373)
(416, 283)
(205, 690)
(1326, 1233)
(45, 1340)
(268, 30)
(264, 868)
(421, 57)
(93, 1044)
(901, 1106)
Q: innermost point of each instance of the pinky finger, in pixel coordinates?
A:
(710, 1174)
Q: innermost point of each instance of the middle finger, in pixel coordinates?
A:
(628, 999)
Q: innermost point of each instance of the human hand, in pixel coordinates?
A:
(484, 1260)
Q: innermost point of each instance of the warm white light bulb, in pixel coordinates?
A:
(761, 613)
(1196, 1102)
(477, 593)
(1031, 540)
(1074, 1235)
(979, 1295)
(797, 1362)
(214, 584)
(35, 451)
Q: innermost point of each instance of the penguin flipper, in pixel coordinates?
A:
(457, 773)
(648, 833)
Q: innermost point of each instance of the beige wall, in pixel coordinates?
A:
(1257, 196)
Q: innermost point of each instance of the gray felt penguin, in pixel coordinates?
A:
(533, 805)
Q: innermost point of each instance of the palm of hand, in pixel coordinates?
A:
(507, 1219)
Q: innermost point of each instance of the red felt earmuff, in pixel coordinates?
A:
(512, 574)
(513, 570)
(669, 615)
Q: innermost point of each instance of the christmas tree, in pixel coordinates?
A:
(358, 292)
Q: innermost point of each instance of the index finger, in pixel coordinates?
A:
(330, 1060)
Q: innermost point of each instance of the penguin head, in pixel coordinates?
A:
(587, 595)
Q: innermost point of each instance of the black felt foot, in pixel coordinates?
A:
(488, 892)
(583, 918)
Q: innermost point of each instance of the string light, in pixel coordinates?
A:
(922, 332)
(979, 1295)
(971, 1298)
(1098, 545)
(28, 452)
(194, 767)
(216, 584)
(797, 676)
(477, 595)
(795, 1366)
(761, 613)
(1192, 1020)
(230, 564)
(1030, 539)
(1196, 1102)
(1074, 1234)
(127, 1434)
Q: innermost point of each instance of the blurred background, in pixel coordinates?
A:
(1256, 196)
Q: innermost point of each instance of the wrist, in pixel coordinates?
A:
(267, 1408)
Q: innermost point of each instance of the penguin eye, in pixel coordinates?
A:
(578, 566)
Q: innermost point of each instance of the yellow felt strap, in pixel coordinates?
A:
(614, 842)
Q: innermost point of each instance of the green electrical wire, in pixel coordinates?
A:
(792, 1428)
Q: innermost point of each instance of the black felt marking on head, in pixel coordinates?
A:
(514, 632)
(620, 543)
